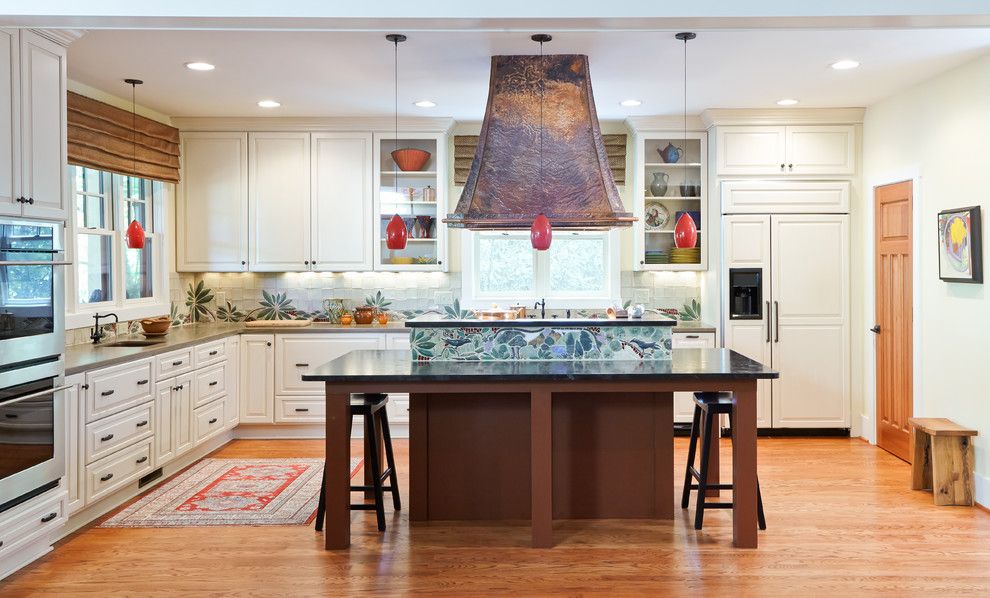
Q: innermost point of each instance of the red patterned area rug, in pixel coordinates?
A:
(232, 492)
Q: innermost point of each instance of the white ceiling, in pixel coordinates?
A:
(350, 73)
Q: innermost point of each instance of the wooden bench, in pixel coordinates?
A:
(943, 460)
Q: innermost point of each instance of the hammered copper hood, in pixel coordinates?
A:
(507, 188)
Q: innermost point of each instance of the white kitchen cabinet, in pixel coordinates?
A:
(232, 348)
(257, 385)
(342, 202)
(208, 420)
(112, 473)
(9, 123)
(212, 207)
(209, 384)
(173, 363)
(74, 445)
(116, 388)
(296, 354)
(786, 150)
(684, 401)
(398, 402)
(113, 433)
(182, 414)
(783, 196)
(279, 202)
(164, 426)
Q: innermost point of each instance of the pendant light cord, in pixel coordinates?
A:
(543, 85)
(685, 91)
(395, 142)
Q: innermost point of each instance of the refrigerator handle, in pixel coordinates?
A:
(768, 321)
(776, 320)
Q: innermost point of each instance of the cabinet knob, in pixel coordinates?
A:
(439, 262)
(781, 166)
(243, 263)
(306, 263)
(642, 262)
(31, 200)
(269, 344)
(85, 387)
(790, 167)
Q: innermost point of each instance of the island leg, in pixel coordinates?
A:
(744, 520)
(337, 534)
(541, 488)
(663, 450)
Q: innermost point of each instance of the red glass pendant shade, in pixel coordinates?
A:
(135, 235)
(396, 233)
(685, 232)
(541, 233)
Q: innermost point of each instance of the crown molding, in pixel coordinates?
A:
(331, 123)
(63, 37)
(667, 122)
(715, 117)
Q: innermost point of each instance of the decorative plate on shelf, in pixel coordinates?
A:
(656, 215)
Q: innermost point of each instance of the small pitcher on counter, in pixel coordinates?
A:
(334, 309)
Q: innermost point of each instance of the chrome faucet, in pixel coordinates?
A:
(98, 334)
(542, 304)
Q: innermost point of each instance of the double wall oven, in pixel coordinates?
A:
(32, 339)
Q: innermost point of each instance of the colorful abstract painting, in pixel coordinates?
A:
(960, 247)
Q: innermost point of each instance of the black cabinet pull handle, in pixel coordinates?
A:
(691, 336)
(107, 477)
(214, 383)
(46, 518)
(212, 353)
(31, 200)
(85, 387)
(142, 460)
(776, 315)
(142, 424)
(142, 382)
(177, 362)
(106, 393)
(213, 421)
(10, 415)
(301, 410)
(106, 438)
(179, 387)
(302, 365)
(768, 321)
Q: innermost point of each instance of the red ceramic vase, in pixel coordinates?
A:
(541, 233)
(135, 235)
(396, 233)
(685, 232)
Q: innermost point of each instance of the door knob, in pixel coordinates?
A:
(875, 329)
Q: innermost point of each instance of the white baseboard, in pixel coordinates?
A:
(982, 489)
(866, 430)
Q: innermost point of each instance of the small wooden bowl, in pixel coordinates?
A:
(410, 159)
(156, 325)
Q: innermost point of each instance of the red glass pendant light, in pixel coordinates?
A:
(396, 233)
(135, 235)
(685, 232)
(541, 233)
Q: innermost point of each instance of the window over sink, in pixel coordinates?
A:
(580, 270)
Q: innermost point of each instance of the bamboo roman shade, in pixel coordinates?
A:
(101, 136)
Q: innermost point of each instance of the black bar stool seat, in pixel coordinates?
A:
(709, 405)
(370, 406)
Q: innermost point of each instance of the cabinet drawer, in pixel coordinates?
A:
(693, 340)
(210, 353)
(208, 420)
(397, 341)
(798, 197)
(174, 363)
(298, 353)
(30, 521)
(292, 409)
(117, 470)
(117, 431)
(210, 384)
(115, 389)
(398, 408)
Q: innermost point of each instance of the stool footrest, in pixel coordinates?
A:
(369, 488)
(718, 505)
(713, 487)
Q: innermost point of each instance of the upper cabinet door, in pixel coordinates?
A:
(43, 126)
(211, 215)
(279, 202)
(342, 201)
(751, 150)
(9, 125)
(821, 149)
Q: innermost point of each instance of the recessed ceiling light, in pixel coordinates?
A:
(844, 65)
(269, 104)
(630, 103)
(426, 104)
(200, 66)
(787, 102)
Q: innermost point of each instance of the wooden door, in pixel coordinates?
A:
(342, 202)
(750, 150)
(211, 212)
(9, 125)
(894, 317)
(278, 202)
(810, 301)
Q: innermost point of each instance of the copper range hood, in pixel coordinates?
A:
(506, 188)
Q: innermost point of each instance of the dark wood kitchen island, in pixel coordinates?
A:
(539, 440)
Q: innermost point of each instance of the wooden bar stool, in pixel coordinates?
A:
(943, 460)
(709, 405)
(372, 408)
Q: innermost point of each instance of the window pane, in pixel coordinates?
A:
(137, 210)
(138, 267)
(90, 211)
(93, 271)
(577, 264)
(505, 264)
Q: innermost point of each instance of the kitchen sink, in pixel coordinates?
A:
(132, 343)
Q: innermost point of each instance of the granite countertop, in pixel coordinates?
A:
(81, 358)
(699, 327)
(368, 366)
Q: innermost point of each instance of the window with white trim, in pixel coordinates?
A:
(580, 270)
(108, 275)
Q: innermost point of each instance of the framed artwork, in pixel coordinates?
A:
(960, 245)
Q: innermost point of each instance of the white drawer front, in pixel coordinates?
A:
(397, 341)
(208, 420)
(398, 408)
(761, 197)
(210, 353)
(24, 524)
(210, 383)
(296, 354)
(114, 432)
(115, 389)
(292, 409)
(117, 470)
(693, 340)
(174, 363)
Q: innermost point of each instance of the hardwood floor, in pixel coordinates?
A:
(841, 517)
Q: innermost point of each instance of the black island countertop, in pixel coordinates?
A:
(397, 366)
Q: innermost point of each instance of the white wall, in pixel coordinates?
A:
(939, 130)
